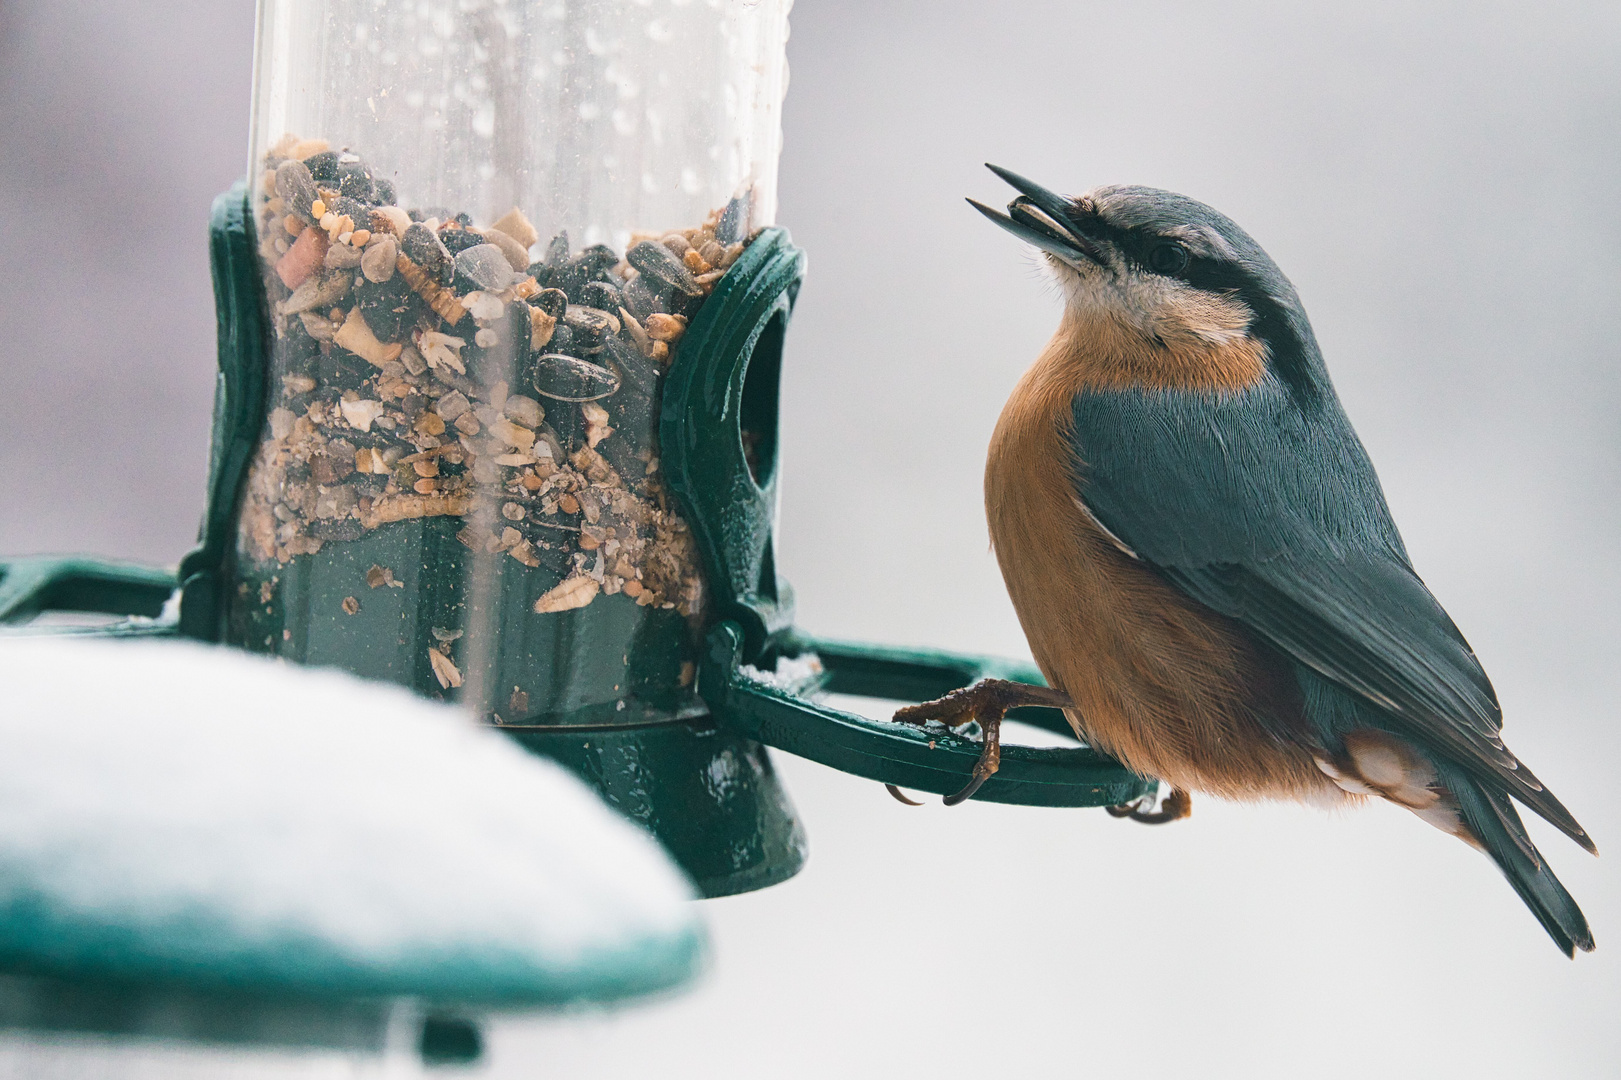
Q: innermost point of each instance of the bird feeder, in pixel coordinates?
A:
(502, 305)
(203, 847)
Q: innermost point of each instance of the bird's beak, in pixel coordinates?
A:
(1041, 217)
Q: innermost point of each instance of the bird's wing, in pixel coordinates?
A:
(1271, 514)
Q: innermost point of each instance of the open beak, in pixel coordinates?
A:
(1041, 217)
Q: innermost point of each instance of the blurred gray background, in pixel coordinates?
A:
(1440, 181)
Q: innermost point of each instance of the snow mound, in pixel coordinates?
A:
(177, 812)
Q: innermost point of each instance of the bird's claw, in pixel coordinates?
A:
(986, 702)
(1177, 805)
(896, 793)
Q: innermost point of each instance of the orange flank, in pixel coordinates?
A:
(1169, 687)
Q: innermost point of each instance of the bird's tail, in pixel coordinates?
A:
(1491, 816)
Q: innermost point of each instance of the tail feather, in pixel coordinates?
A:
(1491, 816)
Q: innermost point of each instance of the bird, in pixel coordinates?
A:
(1202, 559)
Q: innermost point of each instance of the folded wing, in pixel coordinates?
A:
(1270, 512)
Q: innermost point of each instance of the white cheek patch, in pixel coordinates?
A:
(1180, 311)
(1160, 308)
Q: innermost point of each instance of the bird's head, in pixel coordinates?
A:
(1162, 290)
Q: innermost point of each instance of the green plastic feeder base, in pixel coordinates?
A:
(126, 1011)
(708, 793)
(144, 1010)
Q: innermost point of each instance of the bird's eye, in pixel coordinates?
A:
(1171, 258)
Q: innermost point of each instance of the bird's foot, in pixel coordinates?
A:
(1176, 805)
(985, 702)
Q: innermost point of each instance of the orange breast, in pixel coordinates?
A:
(1172, 689)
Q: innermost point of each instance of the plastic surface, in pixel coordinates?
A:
(178, 815)
(466, 528)
(720, 409)
(598, 118)
(719, 433)
(936, 761)
(134, 1009)
(481, 230)
(707, 792)
(239, 395)
(81, 583)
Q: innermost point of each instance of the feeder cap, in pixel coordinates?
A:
(179, 814)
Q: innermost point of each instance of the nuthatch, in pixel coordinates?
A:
(1202, 559)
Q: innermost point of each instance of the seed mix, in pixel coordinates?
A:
(425, 366)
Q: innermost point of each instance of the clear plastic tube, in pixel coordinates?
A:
(484, 228)
(602, 117)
